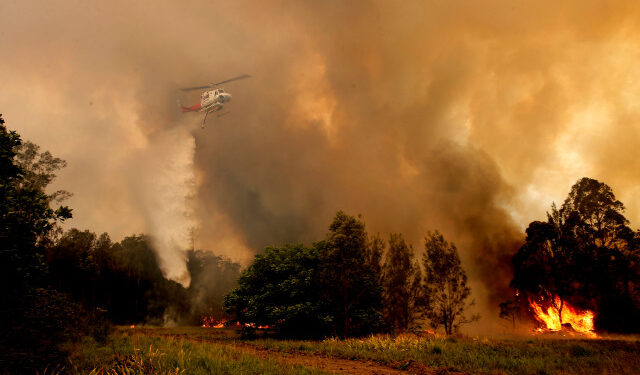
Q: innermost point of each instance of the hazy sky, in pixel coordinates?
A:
(470, 117)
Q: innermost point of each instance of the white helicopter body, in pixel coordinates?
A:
(212, 100)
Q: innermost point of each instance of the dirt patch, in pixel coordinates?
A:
(346, 366)
(330, 364)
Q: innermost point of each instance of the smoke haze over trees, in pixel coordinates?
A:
(60, 286)
(465, 117)
(337, 287)
(75, 283)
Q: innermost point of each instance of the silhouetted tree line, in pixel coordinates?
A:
(350, 284)
(57, 287)
(585, 253)
(125, 281)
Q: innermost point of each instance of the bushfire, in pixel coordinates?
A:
(560, 314)
(211, 322)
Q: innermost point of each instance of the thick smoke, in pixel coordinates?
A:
(468, 117)
(164, 192)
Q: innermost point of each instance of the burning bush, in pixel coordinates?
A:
(555, 315)
(582, 261)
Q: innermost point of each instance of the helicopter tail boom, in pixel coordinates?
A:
(193, 108)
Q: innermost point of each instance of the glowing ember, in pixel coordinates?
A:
(560, 313)
(211, 322)
(132, 326)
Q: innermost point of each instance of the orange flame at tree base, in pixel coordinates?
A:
(560, 313)
(211, 322)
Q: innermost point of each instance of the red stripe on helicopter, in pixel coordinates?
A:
(193, 108)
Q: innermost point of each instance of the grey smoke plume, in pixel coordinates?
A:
(469, 117)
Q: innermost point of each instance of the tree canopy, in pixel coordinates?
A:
(32, 314)
(350, 277)
(401, 281)
(340, 287)
(445, 284)
(585, 253)
(280, 289)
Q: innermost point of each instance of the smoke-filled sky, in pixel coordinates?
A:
(470, 117)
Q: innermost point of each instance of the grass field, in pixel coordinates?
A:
(143, 353)
(194, 350)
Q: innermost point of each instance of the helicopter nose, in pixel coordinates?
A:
(227, 97)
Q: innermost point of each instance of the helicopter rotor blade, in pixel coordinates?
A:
(231, 79)
(196, 88)
(212, 85)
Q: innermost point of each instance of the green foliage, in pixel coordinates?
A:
(375, 253)
(279, 289)
(141, 354)
(350, 277)
(26, 219)
(586, 254)
(41, 320)
(123, 279)
(445, 286)
(39, 169)
(332, 287)
(32, 317)
(401, 280)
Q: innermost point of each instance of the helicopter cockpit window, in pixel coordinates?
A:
(221, 90)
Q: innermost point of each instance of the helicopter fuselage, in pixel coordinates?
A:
(211, 101)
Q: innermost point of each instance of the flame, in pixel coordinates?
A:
(211, 322)
(253, 325)
(580, 321)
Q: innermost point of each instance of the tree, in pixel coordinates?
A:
(351, 281)
(212, 277)
(39, 169)
(509, 310)
(72, 265)
(596, 217)
(375, 251)
(445, 284)
(399, 276)
(542, 266)
(26, 218)
(30, 316)
(279, 289)
(122, 280)
(584, 253)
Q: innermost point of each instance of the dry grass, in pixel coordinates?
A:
(139, 353)
(195, 350)
(480, 356)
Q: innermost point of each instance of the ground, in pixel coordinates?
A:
(195, 350)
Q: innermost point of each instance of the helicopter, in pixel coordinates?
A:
(211, 100)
